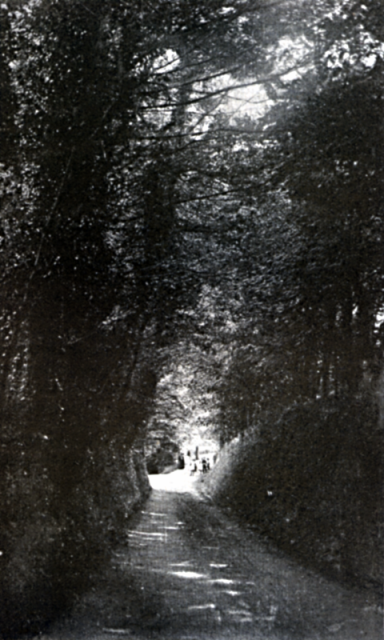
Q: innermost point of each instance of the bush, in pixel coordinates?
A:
(312, 482)
(52, 549)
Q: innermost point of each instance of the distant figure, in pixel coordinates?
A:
(181, 461)
(204, 465)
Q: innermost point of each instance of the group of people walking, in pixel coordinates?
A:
(202, 465)
(194, 463)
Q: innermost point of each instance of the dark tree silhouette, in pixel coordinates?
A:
(127, 195)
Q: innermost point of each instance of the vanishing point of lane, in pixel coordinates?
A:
(190, 572)
(205, 576)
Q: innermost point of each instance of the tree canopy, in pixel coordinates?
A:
(197, 180)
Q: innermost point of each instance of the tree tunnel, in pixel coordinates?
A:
(191, 242)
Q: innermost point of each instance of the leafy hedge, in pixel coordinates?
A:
(312, 482)
(50, 556)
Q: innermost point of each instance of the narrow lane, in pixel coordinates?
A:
(190, 572)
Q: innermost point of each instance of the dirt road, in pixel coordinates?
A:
(190, 572)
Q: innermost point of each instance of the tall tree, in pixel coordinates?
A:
(304, 373)
(99, 121)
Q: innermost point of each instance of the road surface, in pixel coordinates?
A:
(190, 572)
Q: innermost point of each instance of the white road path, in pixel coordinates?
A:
(190, 572)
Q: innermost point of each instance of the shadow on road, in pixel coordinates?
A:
(190, 572)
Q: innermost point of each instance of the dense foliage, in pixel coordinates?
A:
(304, 375)
(144, 217)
